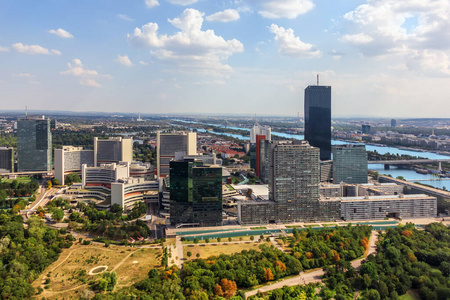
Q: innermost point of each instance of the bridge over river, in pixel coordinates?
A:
(407, 161)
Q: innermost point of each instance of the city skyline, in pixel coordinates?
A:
(382, 57)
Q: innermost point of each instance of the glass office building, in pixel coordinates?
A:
(349, 164)
(318, 118)
(195, 193)
(34, 145)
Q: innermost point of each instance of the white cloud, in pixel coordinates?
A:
(33, 82)
(392, 24)
(151, 3)
(290, 9)
(143, 63)
(227, 15)
(124, 17)
(89, 82)
(357, 39)
(61, 33)
(291, 45)
(33, 49)
(22, 75)
(191, 47)
(124, 60)
(4, 49)
(182, 2)
(430, 62)
(86, 77)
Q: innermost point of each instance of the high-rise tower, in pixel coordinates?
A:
(34, 144)
(318, 118)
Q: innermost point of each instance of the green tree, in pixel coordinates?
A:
(57, 214)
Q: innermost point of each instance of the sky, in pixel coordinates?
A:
(385, 58)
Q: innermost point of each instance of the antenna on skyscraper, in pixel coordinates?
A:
(317, 79)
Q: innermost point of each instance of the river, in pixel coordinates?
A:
(394, 171)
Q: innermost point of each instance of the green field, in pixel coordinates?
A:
(19, 179)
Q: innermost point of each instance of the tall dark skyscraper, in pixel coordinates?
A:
(318, 118)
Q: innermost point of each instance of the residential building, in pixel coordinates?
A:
(195, 193)
(170, 143)
(349, 163)
(318, 118)
(34, 144)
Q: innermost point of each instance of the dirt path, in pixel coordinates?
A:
(315, 276)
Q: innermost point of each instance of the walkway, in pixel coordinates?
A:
(314, 276)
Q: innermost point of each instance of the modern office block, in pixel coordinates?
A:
(393, 122)
(6, 160)
(195, 193)
(349, 163)
(318, 118)
(170, 143)
(128, 192)
(34, 144)
(103, 175)
(326, 171)
(140, 169)
(392, 206)
(365, 128)
(112, 150)
(71, 159)
(259, 130)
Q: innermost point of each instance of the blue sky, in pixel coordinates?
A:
(382, 57)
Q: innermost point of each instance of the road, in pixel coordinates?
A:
(314, 276)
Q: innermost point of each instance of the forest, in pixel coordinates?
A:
(25, 253)
(407, 259)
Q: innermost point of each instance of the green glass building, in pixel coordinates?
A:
(34, 145)
(195, 193)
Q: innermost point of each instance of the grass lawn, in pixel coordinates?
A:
(410, 295)
(227, 248)
(20, 179)
(70, 273)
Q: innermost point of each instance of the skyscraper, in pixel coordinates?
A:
(294, 177)
(195, 193)
(34, 144)
(318, 118)
(349, 163)
(170, 143)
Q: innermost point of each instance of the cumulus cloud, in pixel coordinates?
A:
(34, 49)
(124, 17)
(415, 31)
(227, 15)
(182, 2)
(4, 49)
(190, 47)
(290, 9)
(151, 3)
(61, 33)
(124, 60)
(357, 39)
(86, 77)
(143, 63)
(291, 45)
(419, 24)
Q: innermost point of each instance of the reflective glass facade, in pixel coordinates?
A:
(318, 118)
(34, 145)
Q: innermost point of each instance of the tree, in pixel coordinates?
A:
(55, 181)
(195, 240)
(268, 275)
(219, 239)
(189, 253)
(71, 178)
(49, 184)
(57, 214)
(252, 237)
